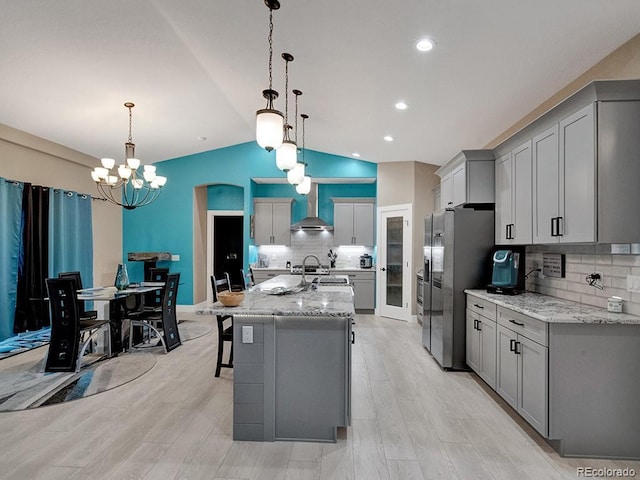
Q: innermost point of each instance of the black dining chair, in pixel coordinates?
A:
(153, 300)
(225, 323)
(70, 335)
(84, 314)
(163, 326)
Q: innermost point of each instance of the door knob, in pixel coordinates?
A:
(383, 269)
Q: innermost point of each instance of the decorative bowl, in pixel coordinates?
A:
(231, 299)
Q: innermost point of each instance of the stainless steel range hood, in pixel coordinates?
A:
(312, 221)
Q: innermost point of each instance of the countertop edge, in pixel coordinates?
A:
(555, 310)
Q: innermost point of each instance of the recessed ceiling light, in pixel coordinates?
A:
(425, 45)
(355, 154)
(388, 138)
(201, 139)
(401, 106)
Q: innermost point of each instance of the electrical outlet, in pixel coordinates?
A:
(247, 334)
(633, 283)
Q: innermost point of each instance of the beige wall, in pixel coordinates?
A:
(409, 182)
(28, 158)
(622, 64)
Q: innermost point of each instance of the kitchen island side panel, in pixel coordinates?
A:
(594, 390)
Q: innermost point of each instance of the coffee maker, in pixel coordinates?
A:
(505, 276)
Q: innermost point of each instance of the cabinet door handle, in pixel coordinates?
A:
(558, 233)
(353, 337)
(506, 233)
(512, 345)
(516, 323)
(515, 350)
(479, 323)
(478, 306)
(553, 234)
(475, 324)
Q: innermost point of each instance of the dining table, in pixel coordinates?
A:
(120, 304)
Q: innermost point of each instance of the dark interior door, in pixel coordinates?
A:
(227, 247)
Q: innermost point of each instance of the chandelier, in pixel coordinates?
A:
(269, 121)
(128, 188)
(304, 186)
(287, 153)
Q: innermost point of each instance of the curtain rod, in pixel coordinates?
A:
(58, 190)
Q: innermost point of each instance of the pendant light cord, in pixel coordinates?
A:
(270, 48)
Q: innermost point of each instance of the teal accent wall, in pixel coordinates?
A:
(167, 224)
(225, 197)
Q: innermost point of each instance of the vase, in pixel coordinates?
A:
(122, 277)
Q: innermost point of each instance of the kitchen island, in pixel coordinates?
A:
(569, 369)
(292, 360)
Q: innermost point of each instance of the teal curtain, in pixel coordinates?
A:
(10, 241)
(70, 235)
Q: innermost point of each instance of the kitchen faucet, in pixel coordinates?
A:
(304, 264)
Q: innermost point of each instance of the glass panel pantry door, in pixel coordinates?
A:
(393, 268)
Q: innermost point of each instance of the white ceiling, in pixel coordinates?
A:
(196, 68)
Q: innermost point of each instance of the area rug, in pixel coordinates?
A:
(24, 342)
(192, 329)
(24, 385)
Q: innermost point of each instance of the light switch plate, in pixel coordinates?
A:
(247, 334)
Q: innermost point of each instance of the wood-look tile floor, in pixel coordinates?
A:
(411, 421)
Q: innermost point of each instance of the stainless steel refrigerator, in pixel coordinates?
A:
(457, 255)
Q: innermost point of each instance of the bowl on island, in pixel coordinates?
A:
(231, 299)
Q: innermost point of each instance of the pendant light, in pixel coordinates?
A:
(287, 153)
(269, 121)
(295, 176)
(304, 187)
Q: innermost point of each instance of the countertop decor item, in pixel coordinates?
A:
(231, 299)
(332, 257)
(128, 188)
(122, 277)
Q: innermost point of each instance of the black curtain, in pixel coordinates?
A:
(32, 310)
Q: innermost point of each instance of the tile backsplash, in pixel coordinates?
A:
(578, 264)
(305, 243)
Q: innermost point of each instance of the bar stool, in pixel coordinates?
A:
(225, 333)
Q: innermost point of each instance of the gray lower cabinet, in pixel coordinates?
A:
(481, 346)
(364, 289)
(522, 367)
(260, 276)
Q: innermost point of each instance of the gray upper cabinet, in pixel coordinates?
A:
(468, 178)
(353, 221)
(272, 221)
(585, 169)
(564, 180)
(513, 196)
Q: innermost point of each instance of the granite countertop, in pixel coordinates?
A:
(555, 310)
(332, 270)
(330, 301)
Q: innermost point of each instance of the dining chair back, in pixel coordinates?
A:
(219, 284)
(153, 300)
(164, 326)
(70, 335)
(225, 324)
(77, 278)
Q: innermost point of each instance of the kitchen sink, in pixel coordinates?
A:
(331, 280)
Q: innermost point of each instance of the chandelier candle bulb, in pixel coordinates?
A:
(108, 163)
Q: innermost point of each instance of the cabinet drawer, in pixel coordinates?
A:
(531, 328)
(482, 307)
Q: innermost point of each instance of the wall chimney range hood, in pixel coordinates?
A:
(312, 221)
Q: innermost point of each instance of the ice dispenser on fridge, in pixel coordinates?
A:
(504, 277)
